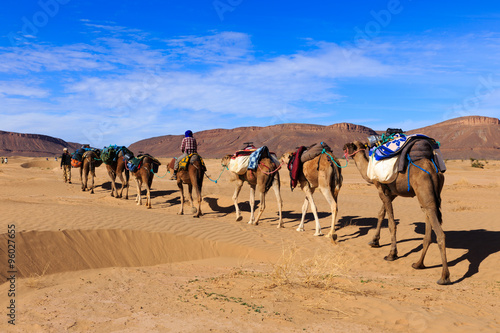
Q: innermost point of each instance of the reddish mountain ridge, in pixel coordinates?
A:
(466, 137)
(279, 138)
(460, 138)
(35, 145)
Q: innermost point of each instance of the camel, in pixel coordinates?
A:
(90, 160)
(192, 177)
(267, 175)
(323, 173)
(116, 169)
(426, 186)
(145, 175)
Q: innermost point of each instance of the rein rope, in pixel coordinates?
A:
(331, 157)
(215, 181)
(157, 174)
(272, 172)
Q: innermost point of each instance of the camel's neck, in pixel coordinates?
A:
(361, 162)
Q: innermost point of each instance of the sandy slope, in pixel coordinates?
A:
(96, 263)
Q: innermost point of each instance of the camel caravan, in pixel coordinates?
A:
(396, 163)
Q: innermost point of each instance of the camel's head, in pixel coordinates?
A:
(286, 157)
(352, 148)
(170, 165)
(225, 160)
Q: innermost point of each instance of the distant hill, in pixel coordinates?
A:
(460, 138)
(279, 138)
(35, 145)
(466, 137)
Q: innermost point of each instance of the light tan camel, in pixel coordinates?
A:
(192, 177)
(90, 160)
(323, 173)
(117, 168)
(426, 186)
(145, 175)
(262, 179)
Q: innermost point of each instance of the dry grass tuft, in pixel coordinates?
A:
(319, 270)
(463, 182)
(34, 281)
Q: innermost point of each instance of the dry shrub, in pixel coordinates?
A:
(34, 281)
(462, 182)
(318, 270)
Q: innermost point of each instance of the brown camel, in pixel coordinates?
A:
(262, 179)
(90, 160)
(192, 177)
(145, 175)
(426, 186)
(117, 168)
(323, 173)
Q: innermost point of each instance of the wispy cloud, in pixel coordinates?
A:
(115, 84)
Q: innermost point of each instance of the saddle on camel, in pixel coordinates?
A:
(115, 158)
(190, 171)
(315, 167)
(414, 168)
(259, 168)
(143, 167)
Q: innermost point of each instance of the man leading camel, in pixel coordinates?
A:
(66, 165)
(188, 146)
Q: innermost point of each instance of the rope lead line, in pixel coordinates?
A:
(157, 174)
(215, 181)
(331, 157)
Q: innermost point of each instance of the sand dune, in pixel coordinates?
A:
(96, 263)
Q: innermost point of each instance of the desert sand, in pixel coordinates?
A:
(94, 263)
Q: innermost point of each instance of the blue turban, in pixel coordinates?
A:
(188, 134)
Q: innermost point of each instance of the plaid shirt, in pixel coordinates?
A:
(189, 145)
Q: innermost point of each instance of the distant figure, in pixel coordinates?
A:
(66, 164)
(2, 160)
(6, 160)
(188, 146)
(55, 158)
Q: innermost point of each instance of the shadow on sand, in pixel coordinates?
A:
(479, 243)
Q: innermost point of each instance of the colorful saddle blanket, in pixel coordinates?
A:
(395, 146)
(183, 164)
(256, 156)
(135, 163)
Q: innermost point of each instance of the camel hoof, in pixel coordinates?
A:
(112, 195)
(333, 238)
(280, 225)
(148, 207)
(126, 198)
(374, 243)
(417, 266)
(180, 213)
(318, 234)
(196, 216)
(390, 257)
(239, 218)
(300, 229)
(444, 282)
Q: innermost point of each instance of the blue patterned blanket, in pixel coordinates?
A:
(256, 157)
(394, 147)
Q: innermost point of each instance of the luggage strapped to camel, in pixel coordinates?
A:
(109, 154)
(304, 154)
(77, 158)
(135, 163)
(385, 162)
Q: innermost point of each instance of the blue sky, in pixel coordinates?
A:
(114, 72)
